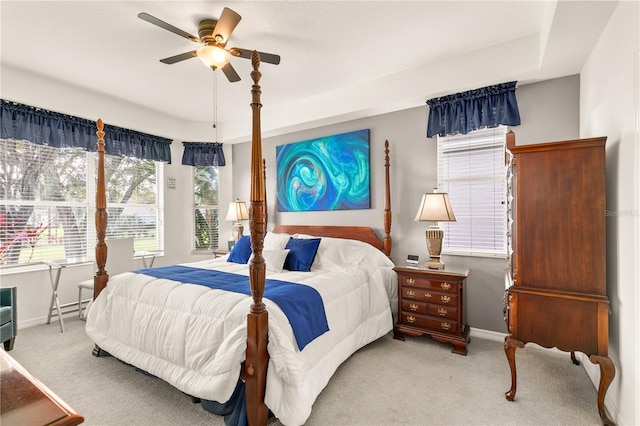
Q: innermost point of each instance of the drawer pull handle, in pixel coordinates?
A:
(411, 281)
(427, 295)
(445, 299)
(411, 319)
(413, 306)
(445, 286)
(443, 311)
(411, 293)
(445, 325)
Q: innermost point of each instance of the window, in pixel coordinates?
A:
(134, 201)
(206, 225)
(471, 169)
(48, 202)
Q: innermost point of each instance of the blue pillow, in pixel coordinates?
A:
(302, 251)
(241, 250)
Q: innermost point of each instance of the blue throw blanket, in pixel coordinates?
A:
(301, 304)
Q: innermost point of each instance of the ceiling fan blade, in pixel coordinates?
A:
(231, 73)
(225, 26)
(264, 57)
(155, 21)
(181, 57)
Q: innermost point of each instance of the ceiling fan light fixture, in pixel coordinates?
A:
(213, 57)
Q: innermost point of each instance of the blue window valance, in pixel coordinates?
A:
(50, 128)
(203, 154)
(475, 109)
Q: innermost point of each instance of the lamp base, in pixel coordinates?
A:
(237, 231)
(434, 263)
(434, 245)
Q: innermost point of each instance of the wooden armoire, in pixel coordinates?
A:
(556, 293)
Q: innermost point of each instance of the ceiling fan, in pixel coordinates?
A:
(213, 36)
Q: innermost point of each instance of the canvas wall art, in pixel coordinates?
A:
(327, 173)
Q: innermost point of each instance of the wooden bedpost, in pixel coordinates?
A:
(264, 178)
(257, 358)
(387, 202)
(101, 277)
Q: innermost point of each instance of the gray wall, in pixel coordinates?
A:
(549, 111)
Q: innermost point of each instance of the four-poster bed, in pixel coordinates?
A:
(350, 270)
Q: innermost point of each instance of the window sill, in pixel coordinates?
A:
(475, 254)
(35, 267)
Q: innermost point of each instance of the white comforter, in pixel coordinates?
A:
(195, 338)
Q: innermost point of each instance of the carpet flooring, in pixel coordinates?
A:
(389, 382)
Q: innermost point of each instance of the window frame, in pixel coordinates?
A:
(499, 213)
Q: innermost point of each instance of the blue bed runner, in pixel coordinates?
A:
(301, 304)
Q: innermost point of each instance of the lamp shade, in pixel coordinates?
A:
(435, 207)
(237, 211)
(213, 56)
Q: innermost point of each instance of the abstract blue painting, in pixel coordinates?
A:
(328, 173)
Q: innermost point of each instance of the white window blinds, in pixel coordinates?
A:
(206, 213)
(471, 169)
(47, 198)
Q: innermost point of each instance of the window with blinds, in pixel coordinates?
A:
(471, 169)
(206, 224)
(47, 198)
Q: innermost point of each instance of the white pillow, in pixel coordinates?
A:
(349, 255)
(273, 259)
(273, 241)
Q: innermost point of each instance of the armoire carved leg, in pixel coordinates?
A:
(607, 372)
(510, 346)
(574, 359)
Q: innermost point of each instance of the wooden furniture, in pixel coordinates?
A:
(558, 297)
(219, 253)
(8, 316)
(25, 401)
(254, 370)
(431, 302)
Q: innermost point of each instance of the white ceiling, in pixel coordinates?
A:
(340, 60)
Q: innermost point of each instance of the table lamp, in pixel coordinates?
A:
(435, 207)
(237, 212)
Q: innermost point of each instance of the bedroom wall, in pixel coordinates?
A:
(610, 106)
(549, 111)
(412, 168)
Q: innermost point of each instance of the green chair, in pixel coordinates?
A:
(8, 317)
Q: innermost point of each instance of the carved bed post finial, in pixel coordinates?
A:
(257, 357)
(387, 202)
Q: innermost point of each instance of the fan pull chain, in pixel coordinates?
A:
(215, 106)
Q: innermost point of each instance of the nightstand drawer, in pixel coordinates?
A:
(430, 309)
(429, 296)
(415, 281)
(437, 324)
(443, 311)
(413, 306)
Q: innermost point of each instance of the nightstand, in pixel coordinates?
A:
(431, 301)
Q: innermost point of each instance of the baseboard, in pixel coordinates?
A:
(34, 321)
(487, 334)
